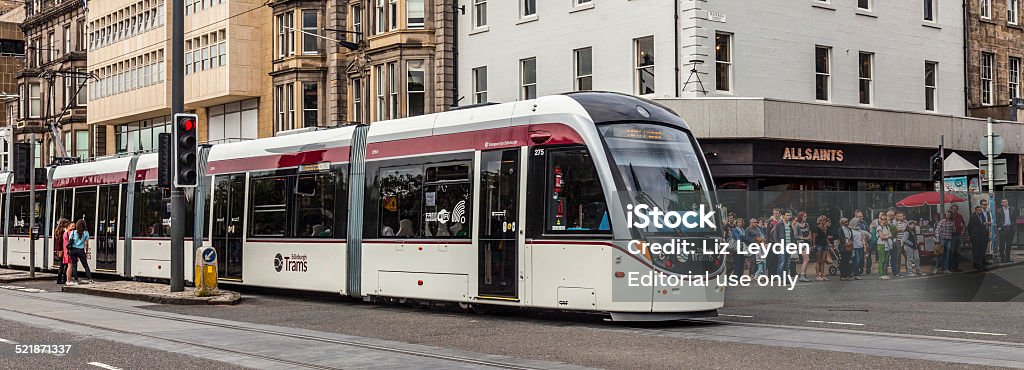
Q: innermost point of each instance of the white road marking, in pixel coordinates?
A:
(968, 332)
(32, 290)
(835, 322)
(103, 365)
(2, 340)
(740, 316)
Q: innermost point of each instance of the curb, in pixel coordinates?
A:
(232, 300)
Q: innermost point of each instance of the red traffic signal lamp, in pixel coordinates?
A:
(186, 166)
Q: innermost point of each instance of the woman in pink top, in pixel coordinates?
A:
(67, 256)
(58, 249)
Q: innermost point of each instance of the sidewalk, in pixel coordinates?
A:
(150, 292)
(10, 276)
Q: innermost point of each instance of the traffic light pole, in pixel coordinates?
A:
(942, 180)
(177, 106)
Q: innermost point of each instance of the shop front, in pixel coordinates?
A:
(777, 165)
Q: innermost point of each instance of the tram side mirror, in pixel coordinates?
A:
(306, 186)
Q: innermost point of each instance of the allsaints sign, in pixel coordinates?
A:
(812, 154)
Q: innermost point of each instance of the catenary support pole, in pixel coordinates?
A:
(177, 106)
(32, 208)
(990, 171)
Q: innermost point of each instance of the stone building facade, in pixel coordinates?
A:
(53, 81)
(358, 61)
(994, 54)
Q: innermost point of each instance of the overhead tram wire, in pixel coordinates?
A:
(265, 3)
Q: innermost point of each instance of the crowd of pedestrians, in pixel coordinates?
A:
(889, 242)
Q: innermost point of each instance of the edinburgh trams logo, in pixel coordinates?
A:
(293, 263)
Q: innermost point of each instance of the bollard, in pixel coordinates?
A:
(205, 276)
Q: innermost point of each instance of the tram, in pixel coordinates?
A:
(518, 204)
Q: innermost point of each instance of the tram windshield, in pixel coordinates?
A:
(660, 168)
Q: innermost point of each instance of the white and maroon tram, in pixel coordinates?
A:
(518, 204)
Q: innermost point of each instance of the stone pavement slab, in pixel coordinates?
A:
(150, 292)
(11, 276)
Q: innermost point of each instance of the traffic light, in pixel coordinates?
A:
(936, 167)
(186, 171)
(22, 158)
(164, 165)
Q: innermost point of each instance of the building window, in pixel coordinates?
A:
(378, 73)
(415, 80)
(35, 106)
(393, 90)
(357, 23)
(285, 106)
(584, 60)
(986, 9)
(393, 15)
(310, 105)
(929, 10)
(528, 7)
(414, 13)
(723, 62)
(285, 35)
(51, 47)
(479, 85)
(380, 17)
(822, 70)
(479, 13)
(357, 100)
(528, 79)
(310, 43)
(141, 136)
(864, 4)
(82, 144)
(232, 122)
(80, 32)
(644, 48)
(68, 90)
(1014, 78)
(866, 74)
(930, 69)
(80, 87)
(1011, 11)
(987, 61)
(67, 39)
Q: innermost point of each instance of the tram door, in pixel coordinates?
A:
(499, 241)
(228, 218)
(106, 228)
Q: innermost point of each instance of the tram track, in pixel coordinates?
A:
(196, 321)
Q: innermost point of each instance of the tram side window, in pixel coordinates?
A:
(574, 201)
(62, 204)
(152, 212)
(400, 201)
(85, 207)
(269, 196)
(314, 205)
(20, 213)
(446, 201)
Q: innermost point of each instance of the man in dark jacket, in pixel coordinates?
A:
(1006, 225)
(978, 232)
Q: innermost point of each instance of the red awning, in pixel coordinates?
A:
(929, 198)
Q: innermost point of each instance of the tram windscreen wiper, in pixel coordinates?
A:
(645, 198)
